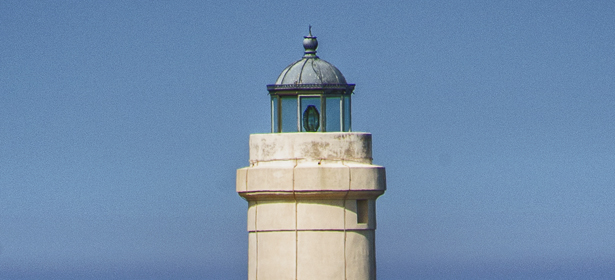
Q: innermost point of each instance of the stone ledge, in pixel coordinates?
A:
(290, 195)
(320, 230)
(311, 177)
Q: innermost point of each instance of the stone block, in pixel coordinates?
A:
(360, 255)
(276, 255)
(275, 215)
(270, 178)
(367, 177)
(334, 177)
(251, 215)
(320, 214)
(240, 181)
(320, 255)
(252, 256)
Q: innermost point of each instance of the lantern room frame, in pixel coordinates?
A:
(286, 98)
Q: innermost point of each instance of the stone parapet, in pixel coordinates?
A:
(341, 146)
(311, 165)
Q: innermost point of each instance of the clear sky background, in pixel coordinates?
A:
(122, 124)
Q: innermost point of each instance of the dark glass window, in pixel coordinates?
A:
(347, 121)
(289, 113)
(333, 114)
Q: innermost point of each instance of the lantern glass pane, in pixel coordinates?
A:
(310, 114)
(347, 120)
(289, 113)
(333, 116)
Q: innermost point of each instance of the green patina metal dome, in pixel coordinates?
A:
(311, 72)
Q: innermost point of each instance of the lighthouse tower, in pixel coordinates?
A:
(311, 186)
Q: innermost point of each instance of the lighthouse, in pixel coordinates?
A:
(311, 186)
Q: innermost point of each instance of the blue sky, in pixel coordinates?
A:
(122, 124)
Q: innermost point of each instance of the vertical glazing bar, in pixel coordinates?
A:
(342, 113)
(273, 114)
(298, 113)
(323, 115)
(278, 122)
(349, 114)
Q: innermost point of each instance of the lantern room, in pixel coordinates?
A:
(310, 95)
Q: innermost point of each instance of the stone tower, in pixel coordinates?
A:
(311, 186)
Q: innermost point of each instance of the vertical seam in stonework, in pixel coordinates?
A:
(246, 179)
(296, 232)
(345, 209)
(374, 250)
(256, 237)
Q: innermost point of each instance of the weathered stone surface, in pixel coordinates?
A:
(320, 214)
(278, 178)
(308, 214)
(252, 256)
(241, 180)
(313, 177)
(275, 215)
(349, 146)
(303, 192)
(331, 180)
(360, 255)
(367, 177)
(320, 255)
(276, 255)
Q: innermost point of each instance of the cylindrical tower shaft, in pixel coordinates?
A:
(312, 205)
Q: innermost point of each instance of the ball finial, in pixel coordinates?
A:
(310, 44)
